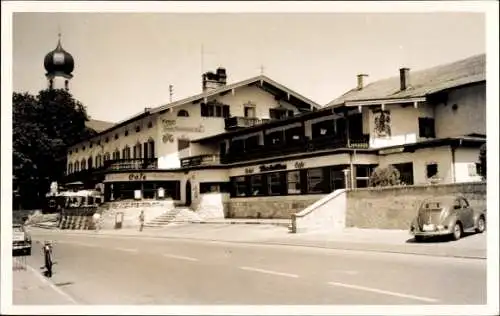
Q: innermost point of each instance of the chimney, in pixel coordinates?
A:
(361, 81)
(213, 80)
(404, 78)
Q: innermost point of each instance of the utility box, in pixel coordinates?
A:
(118, 220)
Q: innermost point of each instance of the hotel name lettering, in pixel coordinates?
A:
(137, 176)
(171, 126)
(277, 166)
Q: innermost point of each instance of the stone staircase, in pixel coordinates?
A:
(180, 214)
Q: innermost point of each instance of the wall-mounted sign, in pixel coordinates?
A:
(299, 164)
(136, 176)
(248, 170)
(272, 167)
(389, 151)
(171, 126)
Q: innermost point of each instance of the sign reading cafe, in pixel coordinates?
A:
(137, 176)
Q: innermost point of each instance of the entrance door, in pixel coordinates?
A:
(188, 193)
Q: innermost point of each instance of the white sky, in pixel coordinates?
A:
(125, 61)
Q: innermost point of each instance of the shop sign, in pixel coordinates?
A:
(171, 126)
(137, 176)
(274, 167)
(248, 170)
(389, 151)
(299, 164)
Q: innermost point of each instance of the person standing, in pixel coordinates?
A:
(96, 218)
(141, 220)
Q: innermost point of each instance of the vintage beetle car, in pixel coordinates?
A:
(447, 215)
(21, 240)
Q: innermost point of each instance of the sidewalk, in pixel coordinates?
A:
(377, 240)
(29, 287)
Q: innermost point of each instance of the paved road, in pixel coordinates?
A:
(120, 270)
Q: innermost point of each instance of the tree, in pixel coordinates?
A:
(385, 176)
(482, 161)
(43, 127)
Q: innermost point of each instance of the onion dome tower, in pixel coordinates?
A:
(59, 65)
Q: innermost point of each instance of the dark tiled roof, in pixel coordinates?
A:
(98, 125)
(422, 82)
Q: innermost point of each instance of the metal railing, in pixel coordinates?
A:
(131, 164)
(240, 121)
(200, 160)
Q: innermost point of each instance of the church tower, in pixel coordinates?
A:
(59, 65)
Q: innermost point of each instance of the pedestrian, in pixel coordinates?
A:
(96, 218)
(141, 220)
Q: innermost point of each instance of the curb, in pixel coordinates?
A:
(346, 246)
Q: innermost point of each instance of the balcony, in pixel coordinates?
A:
(308, 145)
(131, 164)
(201, 160)
(235, 122)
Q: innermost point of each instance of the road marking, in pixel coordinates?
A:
(52, 286)
(126, 249)
(368, 289)
(180, 257)
(270, 272)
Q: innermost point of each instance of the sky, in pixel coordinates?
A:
(125, 62)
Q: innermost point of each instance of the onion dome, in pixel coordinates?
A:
(59, 62)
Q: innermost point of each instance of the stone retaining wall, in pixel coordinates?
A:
(395, 207)
(270, 206)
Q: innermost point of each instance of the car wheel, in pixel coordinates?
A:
(419, 238)
(457, 231)
(481, 225)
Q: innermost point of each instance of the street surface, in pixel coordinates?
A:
(99, 269)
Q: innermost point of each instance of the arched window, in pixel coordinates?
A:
(70, 168)
(98, 161)
(151, 148)
(83, 164)
(76, 166)
(106, 157)
(116, 154)
(126, 152)
(137, 151)
(89, 162)
(183, 113)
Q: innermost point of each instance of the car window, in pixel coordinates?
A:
(17, 229)
(456, 204)
(464, 203)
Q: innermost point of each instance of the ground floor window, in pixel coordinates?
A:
(337, 179)
(208, 187)
(257, 185)
(363, 174)
(149, 189)
(315, 180)
(274, 183)
(240, 186)
(406, 172)
(293, 182)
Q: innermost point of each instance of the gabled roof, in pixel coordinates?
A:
(266, 81)
(422, 82)
(98, 125)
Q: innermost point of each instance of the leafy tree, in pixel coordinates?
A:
(385, 176)
(43, 127)
(482, 161)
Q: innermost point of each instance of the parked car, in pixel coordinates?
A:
(21, 240)
(447, 216)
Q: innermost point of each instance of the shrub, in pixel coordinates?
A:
(385, 176)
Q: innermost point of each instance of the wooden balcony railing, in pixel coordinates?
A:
(241, 122)
(201, 160)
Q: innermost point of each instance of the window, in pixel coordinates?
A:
(70, 168)
(315, 180)
(293, 182)
(150, 124)
(405, 172)
(249, 111)
(207, 187)
(83, 164)
(274, 138)
(183, 113)
(126, 133)
(237, 146)
(472, 169)
(107, 140)
(98, 161)
(214, 109)
(126, 152)
(432, 170)
(137, 129)
(137, 151)
(256, 185)
(116, 154)
(106, 157)
(274, 183)
(363, 174)
(116, 136)
(294, 135)
(337, 179)
(426, 127)
(89, 163)
(252, 142)
(182, 144)
(76, 166)
(279, 114)
(151, 148)
(322, 129)
(240, 186)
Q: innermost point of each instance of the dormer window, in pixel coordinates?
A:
(126, 133)
(214, 109)
(137, 129)
(150, 124)
(106, 140)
